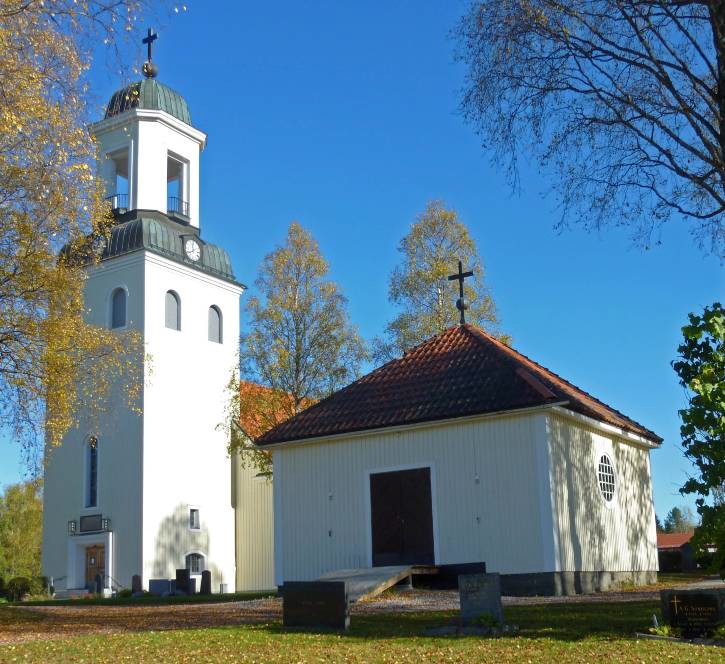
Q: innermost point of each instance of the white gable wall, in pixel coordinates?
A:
(487, 488)
(593, 535)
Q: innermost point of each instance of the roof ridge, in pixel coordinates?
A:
(476, 331)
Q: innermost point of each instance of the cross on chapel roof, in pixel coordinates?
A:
(461, 303)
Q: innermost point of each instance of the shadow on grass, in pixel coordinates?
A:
(564, 622)
(148, 600)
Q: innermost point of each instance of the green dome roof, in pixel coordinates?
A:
(149, 94)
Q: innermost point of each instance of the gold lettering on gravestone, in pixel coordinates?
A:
(694, 614)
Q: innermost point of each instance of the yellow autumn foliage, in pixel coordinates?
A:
(52, 223)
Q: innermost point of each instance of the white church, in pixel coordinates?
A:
(462, 451)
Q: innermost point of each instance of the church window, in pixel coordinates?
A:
(607, 478)
(118, 309)
(195, 563)
(194, 521)
(176, 188)
(92, 471)
(173, 311)
(215, 324)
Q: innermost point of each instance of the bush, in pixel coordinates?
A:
(20, 586)
(17, 587)
(3, 590)
(124, 593)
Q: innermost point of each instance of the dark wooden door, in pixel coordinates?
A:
(401, 511)
(95, 563)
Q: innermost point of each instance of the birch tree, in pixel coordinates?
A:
(52, 362)
(419, 285)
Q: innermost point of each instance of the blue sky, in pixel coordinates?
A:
(343, 116)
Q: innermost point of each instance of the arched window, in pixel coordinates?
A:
(92, 471)
(215, 324)
(118, 309)
(195, 563)
(173, 311)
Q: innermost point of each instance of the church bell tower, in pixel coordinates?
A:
(147, 494)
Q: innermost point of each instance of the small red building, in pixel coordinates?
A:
(675, 552)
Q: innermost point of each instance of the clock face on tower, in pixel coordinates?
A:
(192, 249)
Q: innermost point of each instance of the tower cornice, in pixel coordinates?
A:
(141, 114)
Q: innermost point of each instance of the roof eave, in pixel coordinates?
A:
(610, 429)
(360, 433)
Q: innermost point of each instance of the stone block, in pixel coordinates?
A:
(315, 604)
(480, 596)
(205, 588)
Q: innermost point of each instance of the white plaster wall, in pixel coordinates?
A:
(255, 521)
(185, 453)
(487, 496)
(151, 135)
(593, 535)
(119, 451)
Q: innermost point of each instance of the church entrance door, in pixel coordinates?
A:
(95, 563)
(401, 511)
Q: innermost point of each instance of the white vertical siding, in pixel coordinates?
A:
(254, 526)
(486, 496)
(594, 536)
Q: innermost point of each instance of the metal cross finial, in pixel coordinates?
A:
(150, 70)
(149, 39)
(461, 303)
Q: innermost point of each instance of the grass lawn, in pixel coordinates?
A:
(558, 633)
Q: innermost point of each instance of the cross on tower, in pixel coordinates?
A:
(461, 303)
(150, 70)
(149, 39)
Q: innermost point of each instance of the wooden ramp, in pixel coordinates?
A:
(368, 581)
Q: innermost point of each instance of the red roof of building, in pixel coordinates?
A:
(672, 540)
(460, 372)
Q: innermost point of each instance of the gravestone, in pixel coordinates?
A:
(205, 582)
(183, 579)
(162, 587)
(480, 596)
(315, 604)
(135, 584)
(696, 612)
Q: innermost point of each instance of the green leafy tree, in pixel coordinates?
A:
(620, 102)
(21, 522)
(420, 288)
(701, 370)
(679, 520)
(301, 345)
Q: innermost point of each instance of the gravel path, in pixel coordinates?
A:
(27, 623)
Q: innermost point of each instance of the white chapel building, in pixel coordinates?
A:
(147, 494)
(466, 451)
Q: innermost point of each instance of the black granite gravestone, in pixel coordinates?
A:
(135, 583)
(205, 582)
(182, 581)
(696, 612)
(315, 604)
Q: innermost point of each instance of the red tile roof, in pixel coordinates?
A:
(672, 540)
(460, 372)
